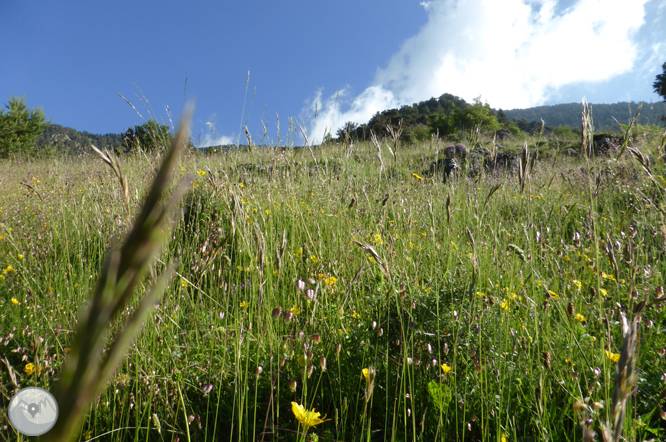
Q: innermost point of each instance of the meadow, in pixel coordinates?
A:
(499, 305)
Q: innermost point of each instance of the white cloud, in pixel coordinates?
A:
(515, 53)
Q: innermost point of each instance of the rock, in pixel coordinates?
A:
(456, 151)
(604, 144)
(482, 151)
(503, 134)
(445, 166)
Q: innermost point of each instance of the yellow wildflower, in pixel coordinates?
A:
(377, 239)
(183, 283)
(314, 259)
(580, 318)
(201, 172)
(355, 315)
(331, 280)
(307, 418)
(295, 310)
(15, 301)
(244, 304)
(553, 294)
(578, 284)
(604, 292)
(613, 357)
(446, 368)
(241, 185)
(32, 369)
(417, 177)
(20, 257)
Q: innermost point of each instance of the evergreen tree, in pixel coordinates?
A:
(660, 83)
(20, 127)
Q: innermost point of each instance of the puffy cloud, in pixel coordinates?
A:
(514, 53)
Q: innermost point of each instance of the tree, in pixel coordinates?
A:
(149, 136)
(660, 84)
(20, 127)
(346, 131)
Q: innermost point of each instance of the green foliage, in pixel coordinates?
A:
(149, 136)
(346, 131)
(660, 83)
(477, 115)
(20, 127)
(515, 130)
(564, 132)
(645, 132)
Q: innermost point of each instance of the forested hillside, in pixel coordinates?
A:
(67, 140)
(569, 114)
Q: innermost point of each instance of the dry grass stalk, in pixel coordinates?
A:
(383, 265)
(307, 142)
(375, 142)
(587, 134)
(114, 164)
(395, 135)
(625, 378)
(626, 134)
(87, 369)
(526, 163)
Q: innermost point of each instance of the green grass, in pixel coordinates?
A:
(513, 290)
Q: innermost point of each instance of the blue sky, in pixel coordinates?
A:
(347, 58)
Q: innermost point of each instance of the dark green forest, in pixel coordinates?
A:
(446, 115)
(449, 114)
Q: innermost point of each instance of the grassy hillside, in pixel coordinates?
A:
(353, 282)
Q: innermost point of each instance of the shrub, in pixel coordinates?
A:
(149, 136)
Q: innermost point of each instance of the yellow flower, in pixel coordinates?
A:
(307, 418)
(565, 258)
(183, 283)
(295, 310)
(417, 177)
(245, 304)
(241, 185)
(553, 294)
(604, 292)
(504, 305)
(331, 280)
(580, 318)
(268, 211)
(446, 368)
(201, 172)
(15, 301)
(182, 169)
(9, 269)
(195, 185)
(31, 369)
(377, 239)
(578, 284)
(314, 259)
(504, 438)
(614, 357)
(355, 315)
(20, 257)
